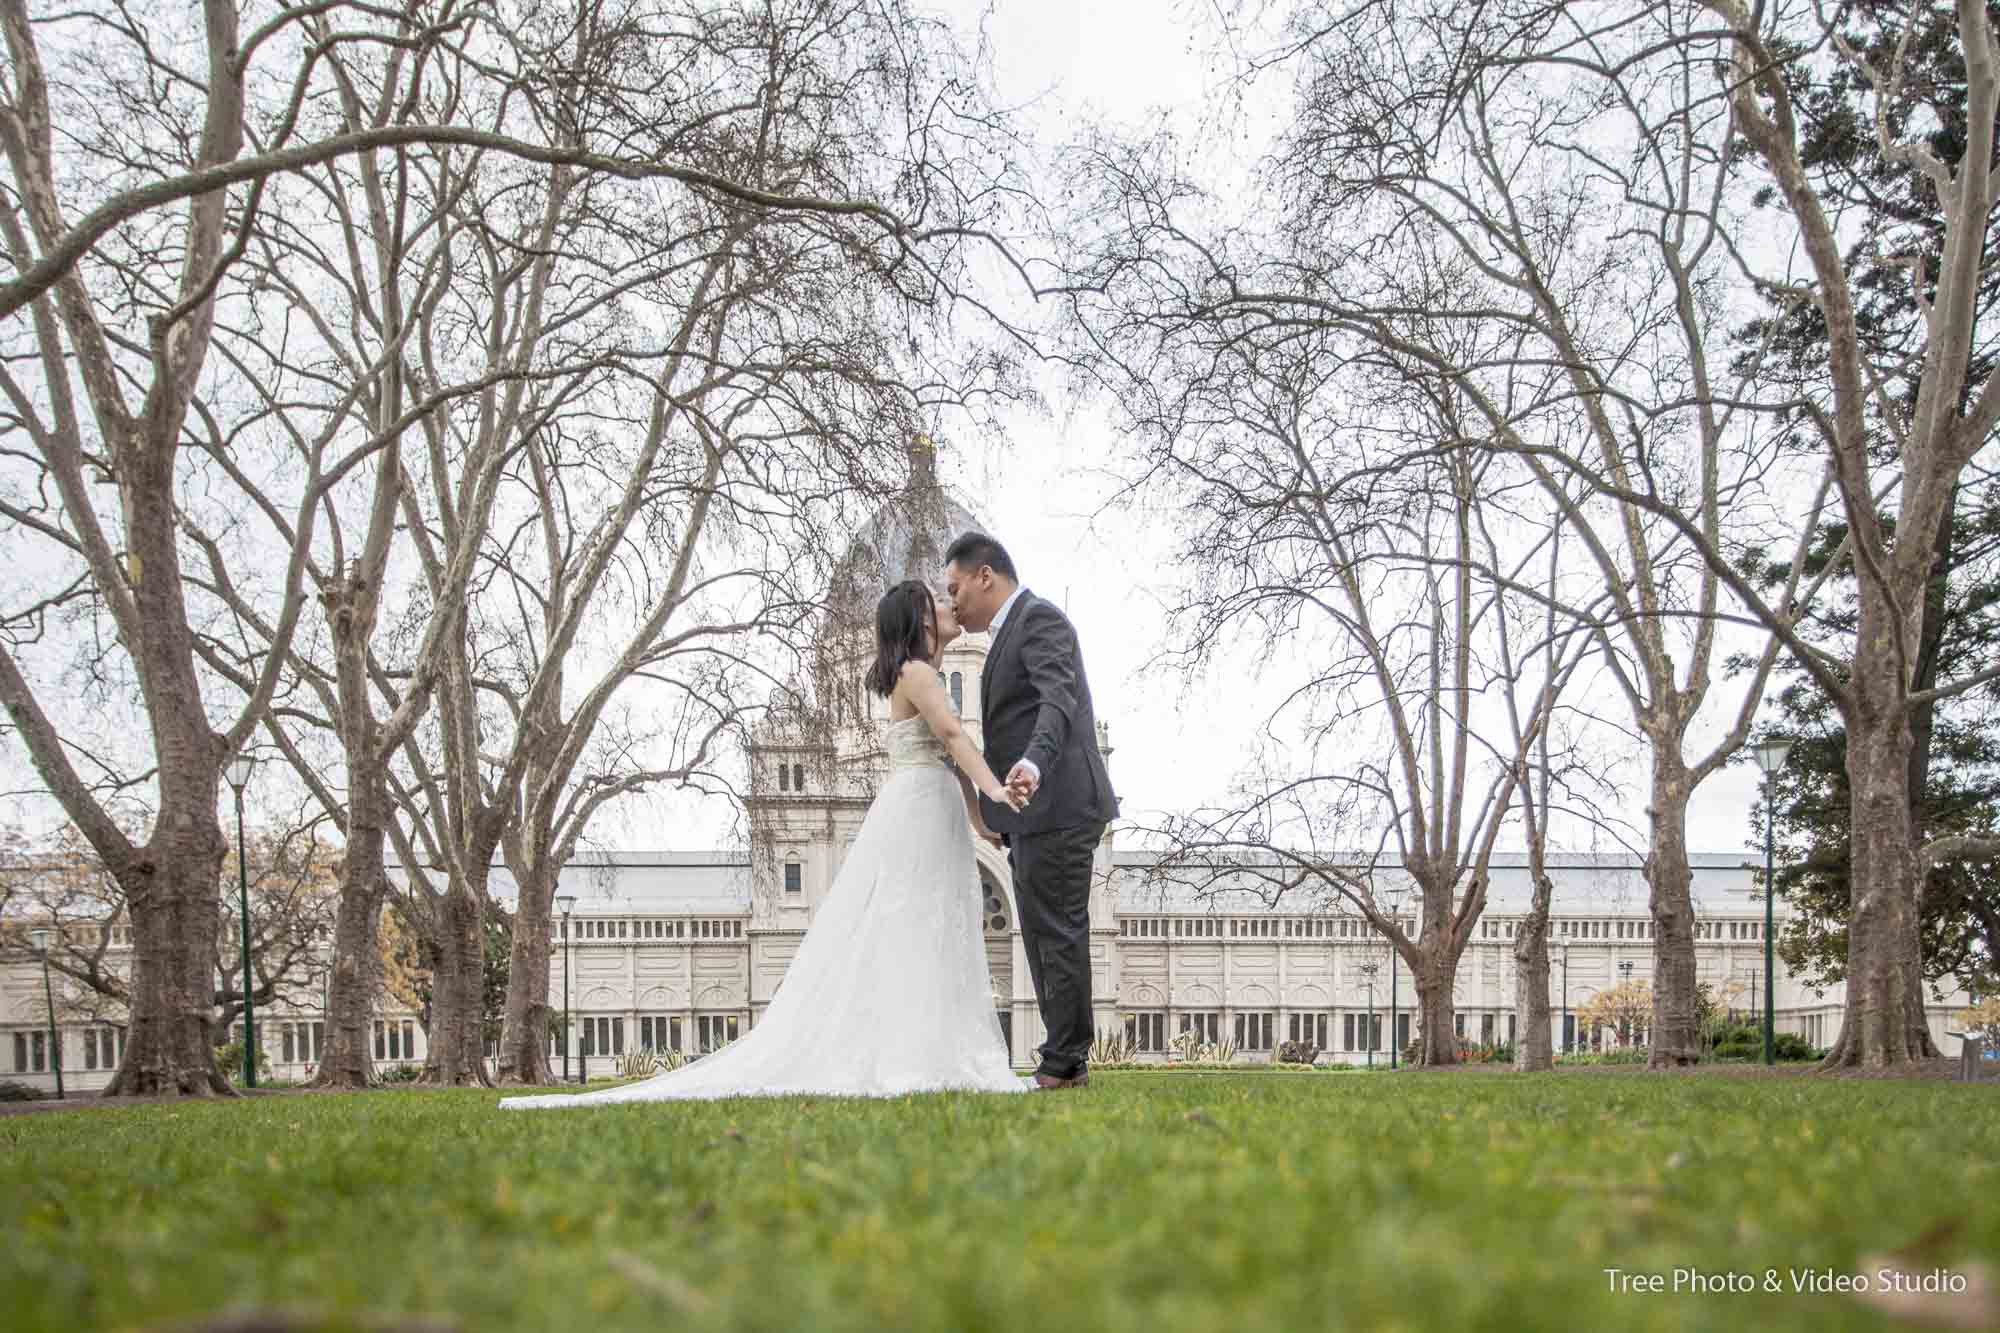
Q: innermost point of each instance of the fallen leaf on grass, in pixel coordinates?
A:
(642, 1274)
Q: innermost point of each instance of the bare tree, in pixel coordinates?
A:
(1543, 211)
(377, 355)
(408, 285)
(134, 337)
(1314, 531)
(1919, 398)
(676, 568)
(60, 883)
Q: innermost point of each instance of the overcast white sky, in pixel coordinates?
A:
(1177, 742)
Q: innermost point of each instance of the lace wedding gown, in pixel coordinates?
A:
(889, 992)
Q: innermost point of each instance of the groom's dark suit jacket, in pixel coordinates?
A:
(1034, 704)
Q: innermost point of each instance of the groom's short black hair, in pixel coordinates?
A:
(975, 549)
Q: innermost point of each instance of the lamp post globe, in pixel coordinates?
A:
(1770, 756)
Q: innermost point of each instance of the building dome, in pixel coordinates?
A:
(905, 539)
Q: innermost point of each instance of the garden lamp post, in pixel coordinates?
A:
(325, 1009)
(42, 938)
(1770, 756)
(238, 773)
(1368, 971)
(1565, 1004)
(565, 901)
(1395, 1039)
(1625, 979)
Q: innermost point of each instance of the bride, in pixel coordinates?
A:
(889, 991)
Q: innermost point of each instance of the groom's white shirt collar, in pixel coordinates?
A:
(1000, 616)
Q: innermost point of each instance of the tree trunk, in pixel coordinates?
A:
(1676, 1027)
(172, 884)
(170, 892)
(350, 603)
(1921, 1045)
(357, 961)
(524, 1031)
(1534, 1047)
(1923, 727)
(457, 1051)
(1437, 1041)
(1884, 1022)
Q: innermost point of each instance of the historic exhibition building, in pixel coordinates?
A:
(684, 949)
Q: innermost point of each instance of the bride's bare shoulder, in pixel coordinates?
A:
(917, 673)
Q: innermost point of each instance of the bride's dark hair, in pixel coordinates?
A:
(905, 621)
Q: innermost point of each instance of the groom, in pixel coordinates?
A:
(1040, 730)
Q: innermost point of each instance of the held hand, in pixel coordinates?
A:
(1022, 779)
(1011, 797)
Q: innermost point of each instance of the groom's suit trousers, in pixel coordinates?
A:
(1052, 890)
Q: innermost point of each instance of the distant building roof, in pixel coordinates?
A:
(614, 883)
(1610, 883)
(694, 882)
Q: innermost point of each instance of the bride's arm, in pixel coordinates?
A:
(972, 810)
(926, 694)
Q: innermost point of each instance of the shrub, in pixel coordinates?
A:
(401, 1074)
(1626, 1055)
(646, 1063)
(1111, 1048)
(1749, 1045)
(11, 1091)
(1982, 1020)
(1193, 1050)
(1297, 1053)
(229, 1056)
(1791, 1046)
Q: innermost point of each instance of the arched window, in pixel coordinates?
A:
(958, 691)
(798, 777)
(784, 778)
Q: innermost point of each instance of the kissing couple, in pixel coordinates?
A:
(889, 992)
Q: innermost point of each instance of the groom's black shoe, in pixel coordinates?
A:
(1050, 1083)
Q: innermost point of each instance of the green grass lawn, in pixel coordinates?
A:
(1149, 1201)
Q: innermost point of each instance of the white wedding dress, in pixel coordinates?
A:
(889, 992)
